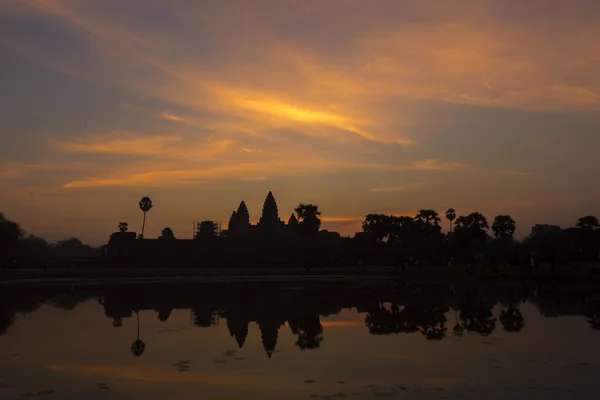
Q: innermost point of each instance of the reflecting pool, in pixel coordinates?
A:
(319, 340)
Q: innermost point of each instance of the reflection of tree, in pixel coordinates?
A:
(593, 315)
(594, 321)
(384, 321)
(511, 319)
(7, 317)
(413, 317)
(138, 347)
(310, 332)
(66, 302)
(458, 329)
(476, 314)
(205, 317)
(433, 326)
(164, 314)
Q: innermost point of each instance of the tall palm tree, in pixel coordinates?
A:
(138, 347)
(145, 206)
(450, 216)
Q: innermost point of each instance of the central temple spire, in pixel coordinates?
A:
(269, 221)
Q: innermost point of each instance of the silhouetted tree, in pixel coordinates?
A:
(123, 227)
(470, 232)
(588, 223)
(503, 227)
(450, 216)
(145, 206)
(377, 225)
(167, 233)
(430, 218)
(10, 236)
(72, 248)
(35, 247)
(309, 217)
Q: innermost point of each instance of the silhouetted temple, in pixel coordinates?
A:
(270, 242)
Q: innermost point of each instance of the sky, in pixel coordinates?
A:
(358, 106)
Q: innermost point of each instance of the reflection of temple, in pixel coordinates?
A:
(271, 240)
(407, 309)
(269, 332)
(238, 327)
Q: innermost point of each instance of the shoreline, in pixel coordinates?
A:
(90, 276)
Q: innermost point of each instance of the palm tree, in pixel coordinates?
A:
(429, 217)
(123, 227)
(145, 206)
(308, 215)
(450, 216)
(138, 347)
(504, 227)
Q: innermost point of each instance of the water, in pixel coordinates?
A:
(299, 341)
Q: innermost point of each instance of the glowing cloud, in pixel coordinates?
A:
(397, 188)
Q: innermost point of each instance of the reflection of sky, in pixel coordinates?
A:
(71, 352)
(406, 104)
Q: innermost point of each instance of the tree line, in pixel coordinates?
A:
(16, 244)
(468, 237)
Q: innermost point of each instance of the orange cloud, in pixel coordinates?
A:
(434, 165)
(125, 143)
(397, 188)
(515, 173)
(10, 174)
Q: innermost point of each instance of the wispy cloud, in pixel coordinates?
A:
(380, 98)
(515, 173)
(400, 188)
(135, 144)
(435, 165)
(10, 174)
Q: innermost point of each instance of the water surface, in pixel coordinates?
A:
(294, 341)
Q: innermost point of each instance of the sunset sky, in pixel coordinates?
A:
(358, 106)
